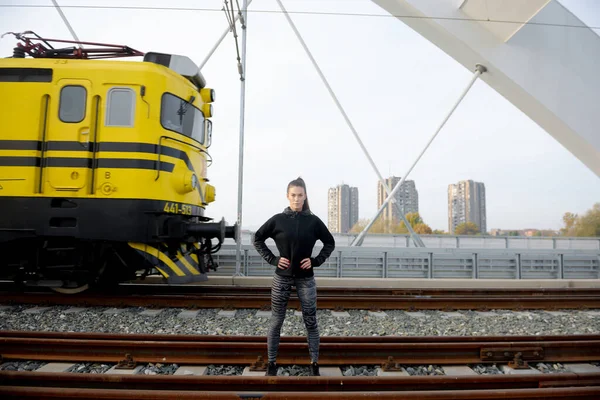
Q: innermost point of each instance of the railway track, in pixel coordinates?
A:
(566, 386)
(156, 295)
(335, 350)
(389, 352)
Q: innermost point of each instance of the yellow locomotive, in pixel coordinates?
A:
(103, 166)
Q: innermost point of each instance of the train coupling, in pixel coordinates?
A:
(209, 230)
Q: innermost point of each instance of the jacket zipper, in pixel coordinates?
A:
(297, 236)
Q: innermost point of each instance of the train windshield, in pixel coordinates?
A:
(181, 116)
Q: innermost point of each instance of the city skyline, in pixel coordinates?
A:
(466, 203)
(471, 207)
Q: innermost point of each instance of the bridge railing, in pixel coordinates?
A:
(391, 262)
(464, 242)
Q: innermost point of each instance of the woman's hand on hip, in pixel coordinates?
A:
(284, 263)
(306, 263)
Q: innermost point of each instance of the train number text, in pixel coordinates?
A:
(175, 208)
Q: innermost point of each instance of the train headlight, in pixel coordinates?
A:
(209, 197)
(187, 182)
(207, 95)
(207, 109)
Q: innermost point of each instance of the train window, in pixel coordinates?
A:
(25, 75)
(180, 116)
(120, 107)
(72, 103)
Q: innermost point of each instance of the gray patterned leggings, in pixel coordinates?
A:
(280, 294)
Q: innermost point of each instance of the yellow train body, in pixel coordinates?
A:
(31, 112)
(97, 151)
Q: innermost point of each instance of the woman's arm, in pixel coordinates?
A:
(324, 236)
(262, 234)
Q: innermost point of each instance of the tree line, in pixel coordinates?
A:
(585, 225)
(416, 222)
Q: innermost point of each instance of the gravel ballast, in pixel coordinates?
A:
(359, 323)
(229, 370)
(89, 368)
(159, 369)
(361, 370)
(419, 370)
(21, 365)
(283, 370)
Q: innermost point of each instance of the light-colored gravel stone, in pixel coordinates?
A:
(228, 370)
(246, 322)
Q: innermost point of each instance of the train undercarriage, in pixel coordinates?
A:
(70, 245)
(70, 266)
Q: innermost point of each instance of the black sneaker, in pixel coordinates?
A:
(314, 369)
(272, 369)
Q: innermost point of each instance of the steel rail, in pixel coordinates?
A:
(293, 339)
(362, 291)
(297, 383)
(333, 350)
(101, 386)
(328, 298)
(157, 288)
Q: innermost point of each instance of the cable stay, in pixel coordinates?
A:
(230, 16)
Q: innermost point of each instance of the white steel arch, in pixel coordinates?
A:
(547, 67)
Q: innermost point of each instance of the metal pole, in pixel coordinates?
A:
(64, 18)
(227, 30)
(238, 246)
(479, 69)
(415, 237)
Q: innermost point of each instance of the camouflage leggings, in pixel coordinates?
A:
(280, 294)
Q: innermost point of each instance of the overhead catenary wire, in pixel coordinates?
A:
(323, 13)
(223, 35)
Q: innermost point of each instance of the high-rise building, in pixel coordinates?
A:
(466, 203)
(342, 208)
(407, 197)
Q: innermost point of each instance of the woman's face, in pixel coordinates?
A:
(296, 196)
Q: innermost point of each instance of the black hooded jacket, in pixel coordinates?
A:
(295, 234)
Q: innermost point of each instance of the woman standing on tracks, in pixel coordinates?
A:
(295, 232)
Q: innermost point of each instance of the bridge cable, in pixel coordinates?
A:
(479, 69)
(416, 239)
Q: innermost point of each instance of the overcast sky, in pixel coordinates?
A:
(395, 86)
